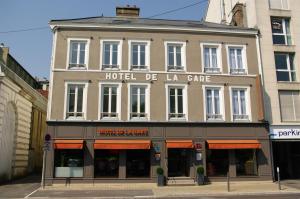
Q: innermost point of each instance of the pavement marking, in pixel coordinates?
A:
(32, 193)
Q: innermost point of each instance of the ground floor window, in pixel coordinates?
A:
(179, 162)
(245, 161)
(106, 163)
(217, 162)
(68, 163)
(137, 163)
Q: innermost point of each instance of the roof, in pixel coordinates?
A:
(123, 22)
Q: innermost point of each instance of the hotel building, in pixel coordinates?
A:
(128, 95)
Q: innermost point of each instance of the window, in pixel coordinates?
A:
(138, 102)
(177, 103)
(239, 104)
(175, 56)
(237, 59)
(211, 58)
(289, 105)
(110, 101)
(281, 31)
(285, 68)
(245, 161)
(140, 53)
(75, 101)
(217, 162)
(68, 163)
(137, 163)
(111, 54)
(106, 163)
(213, 104)
(78, 54)
(279, 4)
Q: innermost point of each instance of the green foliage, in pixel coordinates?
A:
(160, 171)
(200, 170)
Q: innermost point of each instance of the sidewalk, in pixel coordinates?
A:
(214, 189)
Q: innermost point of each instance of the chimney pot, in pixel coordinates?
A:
(128, 11)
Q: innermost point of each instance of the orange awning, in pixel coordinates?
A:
(233, 144)
(68, 144)
(185, 144)
(122, 144)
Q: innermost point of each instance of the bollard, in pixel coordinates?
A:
(278, 178)
(228, 183)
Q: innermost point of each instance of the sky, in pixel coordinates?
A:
(32, 49)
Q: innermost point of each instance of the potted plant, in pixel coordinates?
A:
(200, 175)
(160, 177)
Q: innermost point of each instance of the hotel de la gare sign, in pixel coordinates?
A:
(154, 77)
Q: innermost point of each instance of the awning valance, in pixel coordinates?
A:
(185, 144)
(233, 144)
(68, 144)
(122, 144)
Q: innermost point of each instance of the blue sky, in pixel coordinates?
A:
(32, 49)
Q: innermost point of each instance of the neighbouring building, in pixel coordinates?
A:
(22, 120)
(128, 95)
(278, 22)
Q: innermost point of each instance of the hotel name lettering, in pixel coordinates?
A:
(154, 77)
(123, 132)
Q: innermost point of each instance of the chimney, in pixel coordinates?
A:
(4, 51)
(128, 11)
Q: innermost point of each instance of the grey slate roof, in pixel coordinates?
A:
(121, 21)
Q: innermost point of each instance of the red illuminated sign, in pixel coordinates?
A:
(123, 132)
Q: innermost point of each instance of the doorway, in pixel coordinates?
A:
(179, 162)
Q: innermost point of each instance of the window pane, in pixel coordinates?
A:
(286, 105)
(172, 91)
(232, 58)
(179, 91)
(142, 58)
(283, 76)
(74, 50)
(71, 99)
(291, 59)
(178, 56)
(217, 102)
(243, 102)
(180, 104)
(280, 61)
(239, 58)
(134, 58)
(214, 58)
(206, 58)
(113, 104)
(82, 57)
(245, 162)
(106, 54)
(278, 39)
(277, 26)
(235, 103)
(134, 103)
(115, 55)
(209, 102)
(105, 100)
(171, 55)
(172, 104)
(142, 104)
(296, 95)
(79, 99)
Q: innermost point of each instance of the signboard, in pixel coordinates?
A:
(198, 145)
(123, 132)
(284, 132)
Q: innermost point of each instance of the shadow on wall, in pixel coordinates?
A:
(267, 107)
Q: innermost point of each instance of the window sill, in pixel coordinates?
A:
(140, 69)
(176, 70)
(139, 119)
(110, 69)
(215, 120)
(177, 120)
(241, 120)
(109, 119)
(75, 118)
(77, 68)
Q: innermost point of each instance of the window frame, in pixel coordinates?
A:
(183, 55)
(184, 101)
(283, 21)
(147, 54)
(218, 46)
(222, 106)
(119, 54)
(288, 62)
(86, 55)
(281, 8)
(247, 100)
(244, 57)
(147, 87)
(294, 109)
(119, 92)
(84, 99)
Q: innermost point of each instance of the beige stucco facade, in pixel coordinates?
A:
(95, 75)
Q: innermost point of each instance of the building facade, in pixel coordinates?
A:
(128, 95)
(22, 120)
(278, 22)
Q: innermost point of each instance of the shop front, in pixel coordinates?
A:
(114, 152)
(286, 151)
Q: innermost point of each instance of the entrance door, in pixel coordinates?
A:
(179, 162)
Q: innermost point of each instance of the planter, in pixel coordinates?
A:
(200, 179)
(160, 180)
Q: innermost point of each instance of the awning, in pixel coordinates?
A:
(233, 144)
(185, 144)
(122, 144)
(68, 144)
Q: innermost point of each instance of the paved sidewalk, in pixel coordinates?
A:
(151, 190)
